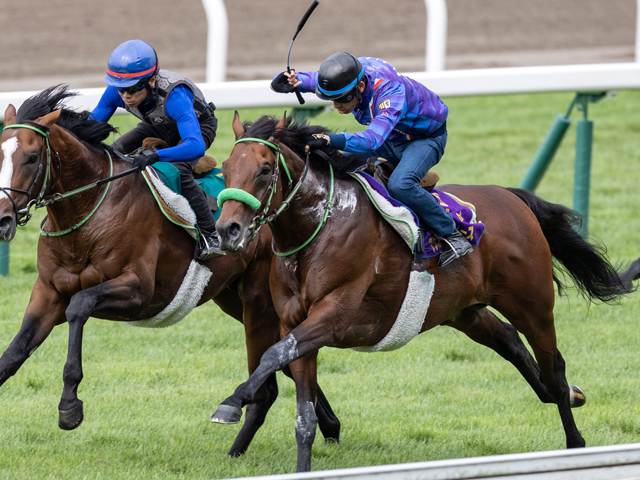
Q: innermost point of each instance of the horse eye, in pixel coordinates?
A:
(33, 158)
(266, 170)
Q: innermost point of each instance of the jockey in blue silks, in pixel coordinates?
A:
(406, 126)
(172, 108)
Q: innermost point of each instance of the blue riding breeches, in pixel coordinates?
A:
(412, 160)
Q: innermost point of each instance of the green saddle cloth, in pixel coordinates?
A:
(212, 183)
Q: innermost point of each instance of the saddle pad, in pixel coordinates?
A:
(175, 207)
(406, 224)
(186, 299)
(212, 183)
(411, 316)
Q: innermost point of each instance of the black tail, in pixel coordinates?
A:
(586, 262)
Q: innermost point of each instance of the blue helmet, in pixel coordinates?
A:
(131, 62)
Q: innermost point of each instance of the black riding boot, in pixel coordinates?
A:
(456, 246)
(209, 245)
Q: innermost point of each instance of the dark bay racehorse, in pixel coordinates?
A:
(126, 262)
(345, 287)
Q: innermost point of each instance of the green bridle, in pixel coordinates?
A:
(24, 215)
(250, 200)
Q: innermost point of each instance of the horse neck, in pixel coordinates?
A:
(296, 224)
(75, 165)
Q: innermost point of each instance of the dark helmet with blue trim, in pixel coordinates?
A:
(338, 76)
(131, 62)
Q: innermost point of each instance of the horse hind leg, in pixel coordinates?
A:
(536, 323)
(484, 327)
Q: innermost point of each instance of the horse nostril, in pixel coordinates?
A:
(6, 222)
(234, 230)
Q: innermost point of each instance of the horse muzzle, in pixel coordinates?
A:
(233, 236)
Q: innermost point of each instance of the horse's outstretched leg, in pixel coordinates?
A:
(535, 322)
(262, 329)
(120, 294)
(484, 327)
(304, 373)
(45, 310)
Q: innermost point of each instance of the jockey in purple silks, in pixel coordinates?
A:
(172, 108)
(406, 126)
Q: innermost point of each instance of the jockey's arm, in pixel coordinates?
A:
(387, 109)
(179, 106)
(107, 105)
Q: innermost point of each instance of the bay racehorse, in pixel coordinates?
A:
(121, 259)
(341, 272)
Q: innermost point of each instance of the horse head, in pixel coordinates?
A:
(25, 166)
(253, 186)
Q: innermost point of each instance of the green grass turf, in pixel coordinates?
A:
(148, 394)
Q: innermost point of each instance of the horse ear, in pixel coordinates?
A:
(49, 119)
(238, 128)
(10, 115)
(281, 126)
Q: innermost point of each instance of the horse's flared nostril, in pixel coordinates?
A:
(234, 230)
(6, 222)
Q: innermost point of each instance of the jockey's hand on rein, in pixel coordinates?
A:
(146, 158)
(316, 141)
(281, 84)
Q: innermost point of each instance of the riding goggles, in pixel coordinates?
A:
(133, 89)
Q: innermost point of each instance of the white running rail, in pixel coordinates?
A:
(617, 462)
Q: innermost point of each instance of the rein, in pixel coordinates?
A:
(24, 215)
(250, 200)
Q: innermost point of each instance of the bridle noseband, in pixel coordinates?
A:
(263, 217)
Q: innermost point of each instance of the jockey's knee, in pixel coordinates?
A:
(400, 188)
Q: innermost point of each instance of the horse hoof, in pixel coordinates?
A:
(227, 414)
(70, 419)
(577, 397)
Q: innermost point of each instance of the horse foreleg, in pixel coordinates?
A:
(484, 327)
(122, 293)
(304, 373)
(45, 310)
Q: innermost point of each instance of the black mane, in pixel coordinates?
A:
(53, 98)
(295, 135)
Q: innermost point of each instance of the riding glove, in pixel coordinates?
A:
(146, 158)
(316, 141)
(281, 84)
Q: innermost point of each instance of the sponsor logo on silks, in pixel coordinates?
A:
(385, 114)
(385, 104)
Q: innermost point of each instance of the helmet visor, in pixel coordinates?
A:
(133, 89)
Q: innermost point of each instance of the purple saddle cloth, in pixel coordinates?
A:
(463, 214)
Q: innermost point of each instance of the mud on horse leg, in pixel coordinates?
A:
(274, 359)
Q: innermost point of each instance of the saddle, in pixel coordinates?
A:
(381, 170)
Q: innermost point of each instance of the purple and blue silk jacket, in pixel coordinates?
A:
(393, 106)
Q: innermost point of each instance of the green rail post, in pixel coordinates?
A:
(300, 114)
(545, 153)
(4, 259)
(584, 141)
(582, 176)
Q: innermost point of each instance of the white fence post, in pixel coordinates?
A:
(437, 34)
(217, 37)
